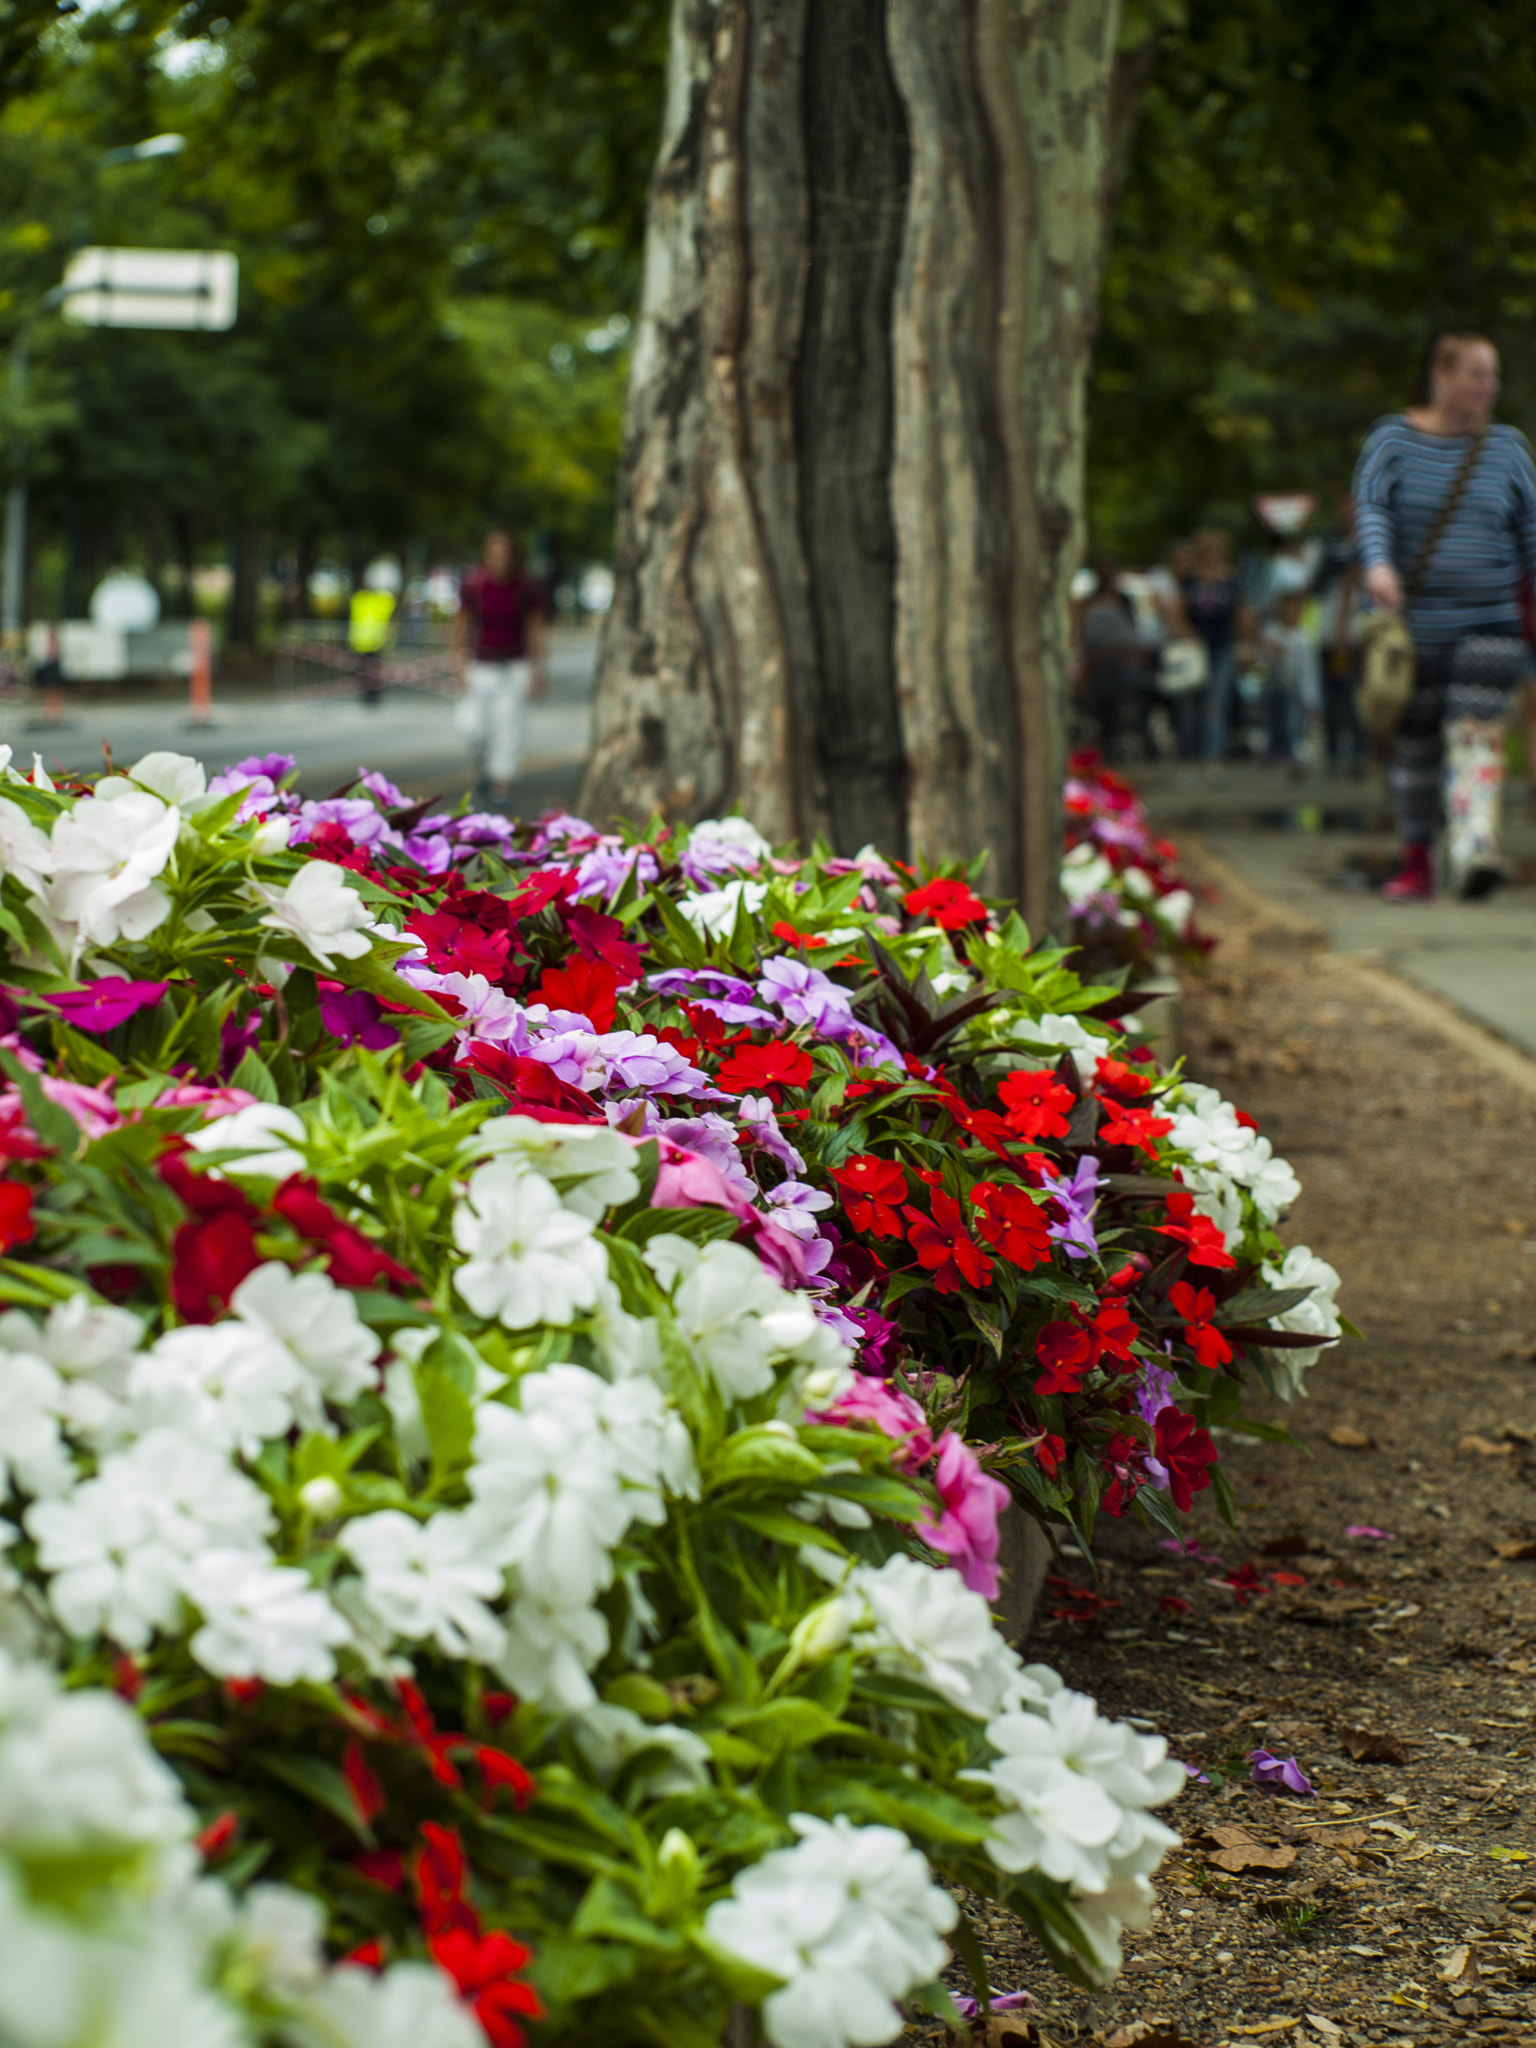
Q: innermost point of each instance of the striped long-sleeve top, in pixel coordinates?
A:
(1472, 581)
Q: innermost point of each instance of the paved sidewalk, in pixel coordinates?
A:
(409, 735)
(1314, 846)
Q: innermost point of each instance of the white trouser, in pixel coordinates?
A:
(490, 715)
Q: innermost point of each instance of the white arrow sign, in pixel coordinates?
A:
(151, 288)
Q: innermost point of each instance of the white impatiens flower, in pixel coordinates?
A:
(429, 1579)
(1075, 1789)
(77, 1768)
(1317, 1316)
(317, 1323)
(25, 851)
(409, 2005)
(530, 1258)
(929, 1623)
(107, 853)
(591, 1166)
(32, 1453)
(849, 1919)
(551, 1646)
(228, 1383)
(554, 1503)
(176, 778)
(261, 1620)
(647, 1441)
(119, 1547)
(1228, 1154)
(264, 1132)
(611, 1737)
(713, 912)
(1085, 873)
(725, 1309)
(320, 910)
(281, 1935)
(1067, 1034)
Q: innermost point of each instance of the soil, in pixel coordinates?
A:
(1406, 1904)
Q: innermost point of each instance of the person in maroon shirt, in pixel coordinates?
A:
(498, 645)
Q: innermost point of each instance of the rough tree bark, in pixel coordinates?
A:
(851, 491)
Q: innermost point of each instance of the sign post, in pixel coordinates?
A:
(200, 635)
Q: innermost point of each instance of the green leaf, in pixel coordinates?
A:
(763, 1453)
(317, 1780)
(54, 1126)
(609, 1909)
(254, 1075)
(792, 1723)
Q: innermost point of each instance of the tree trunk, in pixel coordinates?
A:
(245, 587)
(853, 453)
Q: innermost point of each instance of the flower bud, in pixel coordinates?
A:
(321, 1498)
(271, 835)
(821, 1633)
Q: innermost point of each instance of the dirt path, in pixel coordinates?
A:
(1407, 1902)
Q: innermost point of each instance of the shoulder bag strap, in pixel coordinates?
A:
(1444, 516)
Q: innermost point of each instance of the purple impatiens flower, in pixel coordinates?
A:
(1280, 1772)
(106, 1003)
(1079, 1197)
(353, 1016)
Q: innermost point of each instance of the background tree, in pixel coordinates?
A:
(851, 480)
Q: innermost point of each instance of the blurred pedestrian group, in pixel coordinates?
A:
(1399, 637)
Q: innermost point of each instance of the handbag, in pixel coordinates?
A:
(1387, 657)
(1183, 666)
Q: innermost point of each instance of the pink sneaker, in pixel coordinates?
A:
(1414, 881)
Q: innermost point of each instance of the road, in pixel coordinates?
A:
(409, 735)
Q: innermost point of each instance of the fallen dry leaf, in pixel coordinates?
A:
(1455, 1964)
(1483, 1447)
(1267, 2027)
(1373, 1746)
(1001, 2030)
(1328, 2028)
(1347, 1438)
(1336, 1838)
(1517, 1433)
(1252, 1856)
(1515, 1549)
(1149, 2034)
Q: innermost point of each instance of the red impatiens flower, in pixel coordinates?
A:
(1012, 1223)
(363, 1783)
(1067, 1351)
(946, 1247)
(1037, 1104)
(356, 1261)
(439, 1871)
(1124, 1080)
(873, 1190)
(600, 937)
(1049, 1452)
(210, 1256)
(949, 903)
(499, 1771)
(589, 986)
(383, 1867)
(1116, 1329)
(1195, 1306)
(484, 1968)
(752, 1068)
(1207, 1246)
(15, 1214)
(217, 1836)
(1139, 1127)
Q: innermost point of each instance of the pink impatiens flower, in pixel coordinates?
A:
(891, 1411)
(966, 1531)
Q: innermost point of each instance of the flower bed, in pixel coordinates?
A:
(1127, 902)
(517, 1343)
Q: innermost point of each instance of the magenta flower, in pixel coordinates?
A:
(107, 1003)
(353, 1016)
(1370, 1535)
(1280, 1771)
(966, 1531)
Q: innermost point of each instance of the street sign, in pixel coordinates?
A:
(1285, 512)
(151, 288)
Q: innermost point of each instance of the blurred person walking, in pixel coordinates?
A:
(498, 641)
(1210, 598)
(1340, 593)
(1183, 668)
(369, 618)
(1115, 657)
(1446, 517)
(1291, 683)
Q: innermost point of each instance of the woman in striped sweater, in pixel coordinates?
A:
(1464, 616)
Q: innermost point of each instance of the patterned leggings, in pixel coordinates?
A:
(1449, 759)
